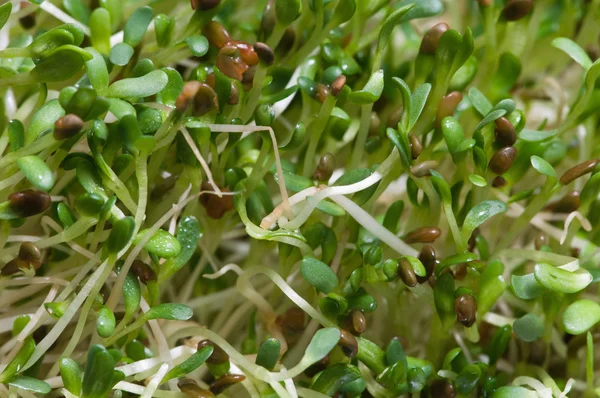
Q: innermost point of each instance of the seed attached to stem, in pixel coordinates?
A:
(442, 388)
(348, 343)
(218, 386)
(205, 100)
(577, 171)
(204, 4)
(567, 204)
(505, 132)
(423, 235)
(218, 356)
(338, 85)
(427, 258)
(540, 241)
(325, 167)
(432, 38)
(423, 169)
(247, 53)
(499, 182)
(29, 202)
(406, 273)
(193, 390)
(359, 322)
(143, 271)
(216, 34)
(293, 320)
(447, 106)
(13, 266)
(321, 92)
(265, 53)
(502, 160)
(67, 126)
(517, 9)
(465, 307)
(416, 147)
(187, 94)
(230, 63)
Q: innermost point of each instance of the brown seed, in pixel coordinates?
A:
(325, 167)
(193, 390)
(143, 271)
(447, 107)
(163, 187)
(205, 100)
(338, 85)
(218, 386)
(406, 273)
(567, 204)
(416, 147)
(248, 77)
(505, 132)
(575, 252)
(187, 94)
(27, 21)
(321, 92)
(485, 3)
(423, 235)
(394, 118)
(348, 343)
(517, 9)
(216, 34)
(230, 63)
(67, 126)
(14, 266)
(214, 207)
(218, 355)
(540, 241)
(204, 4)
(293, 320)
(265, 53)
(269, 19)
(427, 258)
(29, 252)
(423, 169)
(317, 367)
(247, 53)
(375, 124)
(442, 388)
(29, 202)
(465, 307)
(359, 322)
(577, 171)
(499, 182)
(432, 38)
(234, 94)
(460, 271)
(502, 160)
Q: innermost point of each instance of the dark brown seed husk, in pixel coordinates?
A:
(193, 390)
(292, 320)
(187, 94)
(29, 202)
(499, 182)
(485, 3)
(13, 266)
(406, 273)
(286, 42)
(265, 53)
(567, 204)
(502, 160)
(205, 100)
(338, 85)
(247, 53)
(577, 171)
(465, 307)
(325, 167)
(575, 252)
(67, 126)
(216, 34)
(218, 386)
(317, 367)
(163, 187)
(234, 95)
(517, 9)
(204, 4)
(375, 124)
(423, 235)
(359, 322)
(28, 21)
(248, 77)
(321, 92)
(416, 147)
(427, 258)
(348, 343)
(394, 118)
(460, 271)
(218, 355)
(29, 252)
(432, 38)
(442, 388)
(230, 63)
(541, 240)
(423, 169)
(143, 271)
(447, 107)
(505, 132)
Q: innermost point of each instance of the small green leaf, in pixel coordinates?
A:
(479, 214)
(370, 92)
(162, 243)
(96, 70)
(169, 311)
(529, 327)
(268, 353)
(37, 172)
(71, 375)
(136, 25)
(188, 234)
(394, 352)
(390, 22)
(78, 10)
(319, 274)
(16, 133)
(120, 235)
(536, 136)
(105, 324)
(573, 50)
(543, 167)
(98, 372)
(479, 101)
(190, 364)
(198, 44)
(580, 316)
(468, 378)
(526, 286)
(169, 94)
(139, 87)
(287, 11)
(322, 342)
(30, 384)
(44, 120)
(132, 294)
(100, 30)
(477, 180)
(61, 64)
(418, 99)
(443, 297)
(560, 280)
(514, 391)
(5, 10)
(120, 54)
(490, 117)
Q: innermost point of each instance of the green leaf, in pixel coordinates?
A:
(120, 235)
(169, 94)
(294, 182)
(529, 327)
(287, 11)
(5, 10)
(139, 87)
(44, 120)
(543, 167)
(100, 30)
(334, 377)
(37, 172)
(78, 10)
(268, 353)
(319, 274)
(322, 342)
(30, 384)
(581, 316)
(422, 9)
(390, 22)
(198, 44)
(106, 322)
(71, 375)
(477, 180)
(16, 133)
(190, 364)
(162, 243)
(526, 286)
(418, 99)
(97, 71)
(136, 25)
(490, 117)
(453, 134)
(370, 92)
(394, 352)
(479, 214)
(468, 378)
(188, 234)
(514, 391)
(98, 372)
(17, 363)
(573, 50)
(561, 280)
(120, 54)
(132, 294)
(61, 64)
(479, 101)
(536, 136)
(443, 297)
(465, 74)
(169, 311)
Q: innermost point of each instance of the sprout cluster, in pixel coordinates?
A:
(299, 198)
